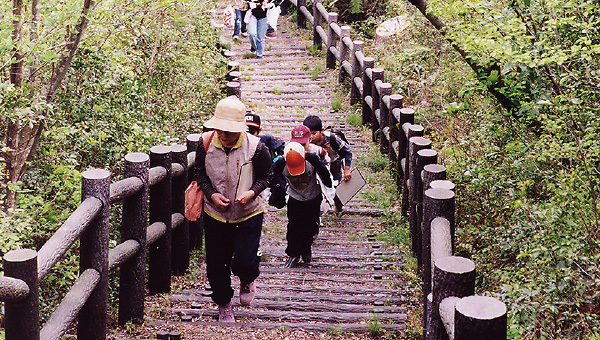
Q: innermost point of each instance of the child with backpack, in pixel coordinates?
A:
(339, 151)
(300, 169)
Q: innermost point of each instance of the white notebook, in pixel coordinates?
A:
(246, 179)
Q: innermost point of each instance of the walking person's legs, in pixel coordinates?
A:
(239, 19)
(246, 263)
(219, 251)
(252, 33)
(294, 231)
(261, 30)
(312, 213)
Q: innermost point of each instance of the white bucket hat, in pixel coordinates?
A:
(229, 116)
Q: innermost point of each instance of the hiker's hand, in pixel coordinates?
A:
(347, 173)
(246, 197)
(220, 201)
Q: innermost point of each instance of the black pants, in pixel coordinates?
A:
(336, 169)
(303, 224)
(231, 248)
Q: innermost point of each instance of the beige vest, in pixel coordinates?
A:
(230, 173)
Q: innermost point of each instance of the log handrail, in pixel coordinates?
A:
(432, 207)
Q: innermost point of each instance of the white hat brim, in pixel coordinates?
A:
(226, 125)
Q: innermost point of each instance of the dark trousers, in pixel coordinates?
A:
(303, 224)
(336, 169)
(231, 247)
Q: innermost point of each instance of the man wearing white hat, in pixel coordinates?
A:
(232, 172)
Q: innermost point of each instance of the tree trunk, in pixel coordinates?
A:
(23, 138)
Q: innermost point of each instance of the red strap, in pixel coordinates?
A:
(207, 141)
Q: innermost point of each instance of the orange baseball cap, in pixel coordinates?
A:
(294, 158)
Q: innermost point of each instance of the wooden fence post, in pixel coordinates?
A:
(159, 265)
(415, 144)
(132, 274)
(367, 110)
(331, 41)
(317, 22)
(395, 106)
(413, 130)
(234, 89)
(432, 172)
(22, 317)
(436, 203)
(376, 74)
(301, 19)
(407, 116)
(424, 157)
(93, 254)
(344, 53)
(480, 317)
(357, 46)
(196, 228)
(180, 244)
(452, 276)
(384, 118)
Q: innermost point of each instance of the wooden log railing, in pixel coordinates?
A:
(451, 310)
(152, 190)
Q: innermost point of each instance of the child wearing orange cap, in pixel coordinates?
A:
(300, 169)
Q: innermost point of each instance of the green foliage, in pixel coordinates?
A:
(527, 189)
(148, 73)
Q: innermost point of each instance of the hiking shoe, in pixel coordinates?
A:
(339, 207)
(236, 38)
(247, 291)
(270, 36)
(244, 34)
(307, 256)
(292, 262)
(226, 313)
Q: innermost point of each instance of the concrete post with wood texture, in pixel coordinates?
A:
(234, 89)
(22, 315)
(331, 41)
(317, 22)
(234, 76)
(196, 228)
(480, 317)
(233, 65)
(424, 157)
(301, 19)
(407, 116)
(376, 75)
(384, 116)
(344, 53)
(357, 71)
(132, 274)
(415, 144)
(180, 243)
(412, 130)
(433, 172)
(159, 265)
(367, 111)
(395, 106)
(93, 254)
(452, 276)
(436, 203)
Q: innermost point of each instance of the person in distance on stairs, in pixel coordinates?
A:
(239, 25)
(303, 207)
(233, 173)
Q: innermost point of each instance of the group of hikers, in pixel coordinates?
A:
(251, 19)
(234, 167)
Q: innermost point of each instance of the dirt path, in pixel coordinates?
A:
(353, 287)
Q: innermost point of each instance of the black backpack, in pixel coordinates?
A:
(338, 133)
